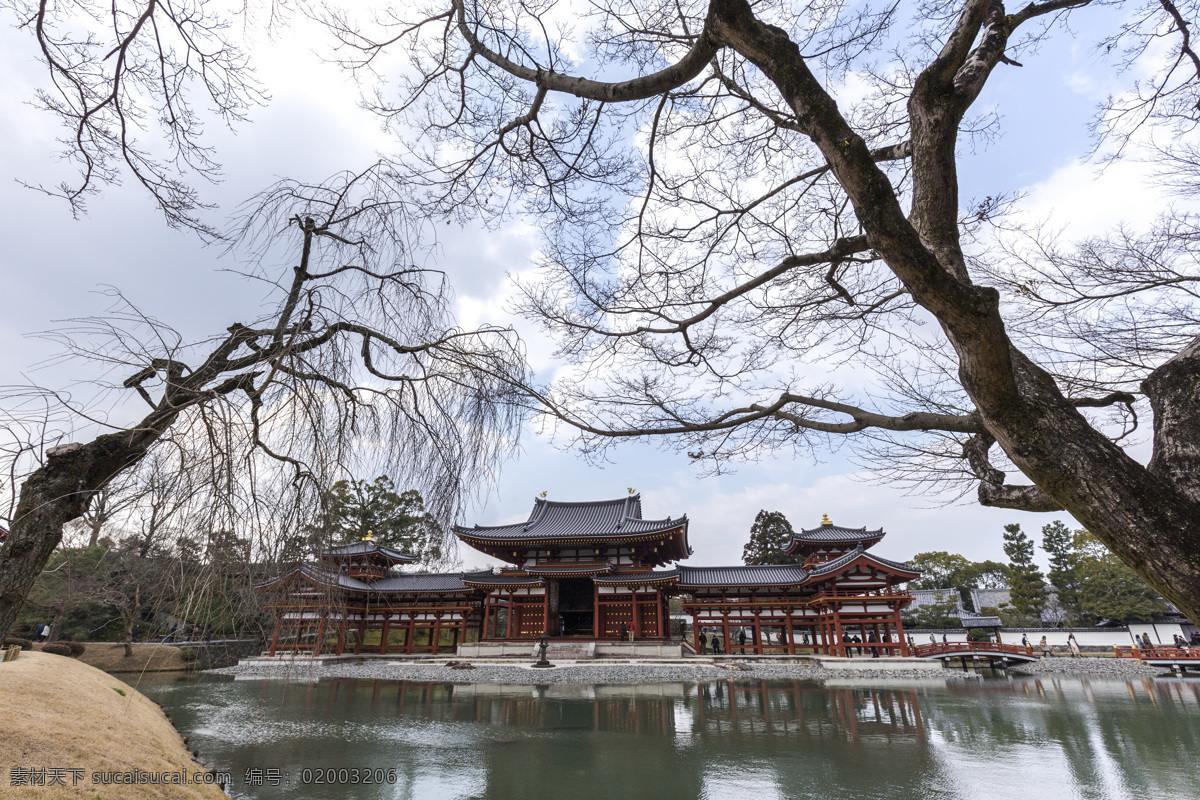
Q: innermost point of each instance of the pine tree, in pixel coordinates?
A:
(770, 536)
(399, 520)
(1058, 542)
(1110, 590)
(1027, 588)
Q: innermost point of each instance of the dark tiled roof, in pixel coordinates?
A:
(600, 519)
(638, 578)
(980, 622)
(753, 575)
(320, 575)
(836, 564)
(489, 579)
(421, 582)
(835, 534)
(396, 584)
(589, 568)
(367, 547)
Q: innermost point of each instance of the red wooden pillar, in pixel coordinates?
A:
(899, 626)
(758, 645)
(437, 632)
(275, 636)
(839, 647)
(383, 636)
(791, 633)
(546, 610)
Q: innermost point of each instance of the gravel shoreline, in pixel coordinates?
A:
(578, 673)
(625, 673)
(1116, 667)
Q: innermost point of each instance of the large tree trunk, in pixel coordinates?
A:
(1140, 513)
(52, 496)
(1147, 517)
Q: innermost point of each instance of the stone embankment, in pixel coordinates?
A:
(1116, 667)
(589, 673)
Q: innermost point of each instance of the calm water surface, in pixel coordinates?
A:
(1009, 739)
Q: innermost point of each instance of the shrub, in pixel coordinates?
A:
(24, 644)
(77, 648)
(57, 648)
(189, 654)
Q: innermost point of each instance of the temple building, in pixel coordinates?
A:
(595, 571)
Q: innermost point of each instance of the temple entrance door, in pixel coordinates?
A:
(576, 606)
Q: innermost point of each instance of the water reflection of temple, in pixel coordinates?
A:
(805, 709)
(955, 740)
(596, 572)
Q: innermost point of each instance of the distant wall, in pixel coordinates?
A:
(1159, 633)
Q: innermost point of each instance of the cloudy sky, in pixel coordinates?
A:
(52, 268)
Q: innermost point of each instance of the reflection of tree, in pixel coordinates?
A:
(1085, 732)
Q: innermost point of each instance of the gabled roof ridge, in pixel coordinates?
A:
(847, 558)
(548, 502)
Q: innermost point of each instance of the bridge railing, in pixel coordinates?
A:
(1173, 653)
(943, 648)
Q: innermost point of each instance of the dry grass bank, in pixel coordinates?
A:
(56, 712)
(110, 657)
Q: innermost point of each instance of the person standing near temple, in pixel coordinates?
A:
(703, 642)
(624, 631)
(1045, 648)
(872, 639)
(1073, 645)
(742, 641)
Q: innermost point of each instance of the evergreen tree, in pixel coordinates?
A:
(398, 520)
(1108, 589)
(1027, 588)
(939, 570)
(1059, 544)
(770, 536)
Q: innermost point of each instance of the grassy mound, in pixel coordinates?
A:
(60, 712)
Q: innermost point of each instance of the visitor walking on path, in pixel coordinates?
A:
(1074, 645)
(703, 642)
(1045, 648)
(742, 641)
(716, 644)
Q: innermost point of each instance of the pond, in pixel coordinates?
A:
(1006, 738)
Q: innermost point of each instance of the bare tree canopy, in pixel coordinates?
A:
(756, 237)
(356, 362)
